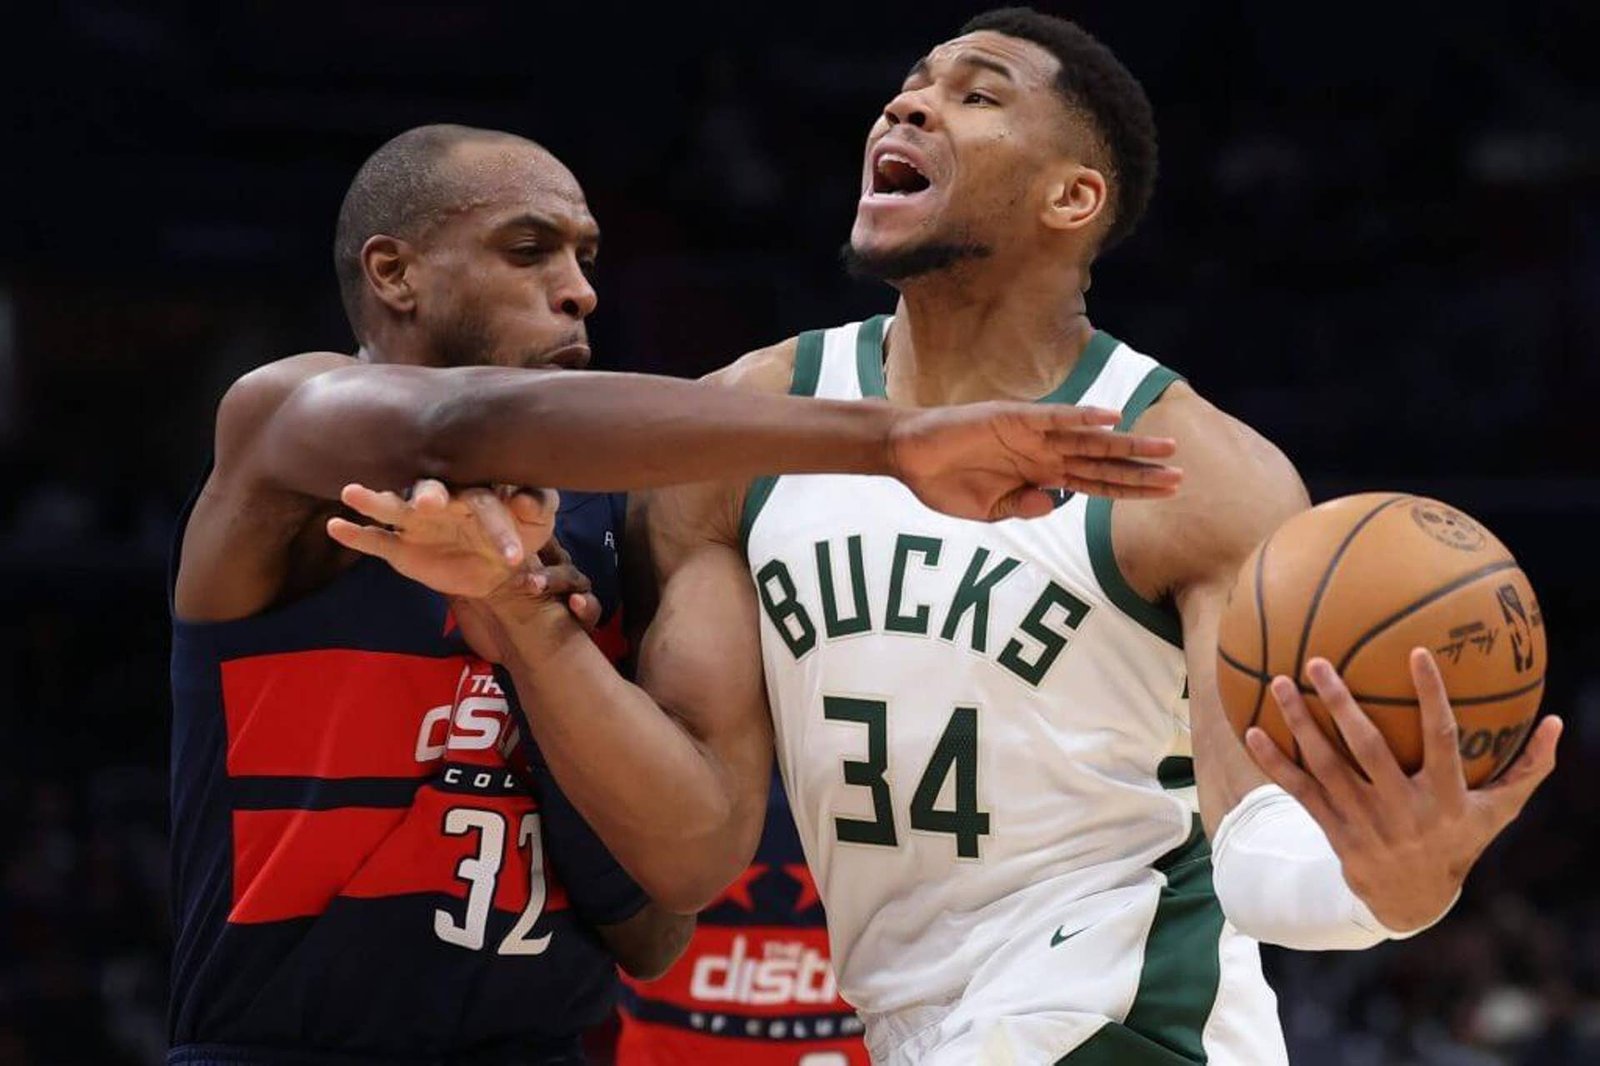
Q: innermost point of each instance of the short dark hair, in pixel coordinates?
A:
(1094, 81)
(401, 190)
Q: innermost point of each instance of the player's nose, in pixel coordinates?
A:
(911, 106)
(573, 295)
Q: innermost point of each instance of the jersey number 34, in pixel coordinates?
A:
(955, 753)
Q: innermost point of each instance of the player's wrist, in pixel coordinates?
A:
(1407, 921)
(1400, 907)
(523, 612)
(1279, 880)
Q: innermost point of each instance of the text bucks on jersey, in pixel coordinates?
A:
(978, 724)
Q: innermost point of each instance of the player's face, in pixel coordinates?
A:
(954, 163)
(509, 277)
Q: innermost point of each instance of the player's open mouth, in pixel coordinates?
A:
(898, 173)
(895, 175)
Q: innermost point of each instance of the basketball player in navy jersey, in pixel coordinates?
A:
(370, 863)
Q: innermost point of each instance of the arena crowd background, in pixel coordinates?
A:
(1376, 237)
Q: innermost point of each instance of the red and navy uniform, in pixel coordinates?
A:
(370, 863)
(756, 987)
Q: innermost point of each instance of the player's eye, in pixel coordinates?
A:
(588, 266)
(529, 251)
(978, 98)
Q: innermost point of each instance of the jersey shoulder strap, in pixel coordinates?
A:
(831, 363)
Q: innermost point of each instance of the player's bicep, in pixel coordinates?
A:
(340, 423)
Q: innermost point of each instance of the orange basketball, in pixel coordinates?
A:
(1362, 580)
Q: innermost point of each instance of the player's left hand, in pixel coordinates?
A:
(466, 544)
(1406, 841)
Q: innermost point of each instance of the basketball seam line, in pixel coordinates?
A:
(1390, 701)
(1417, 605)
(1327, 579)
(1261, 616)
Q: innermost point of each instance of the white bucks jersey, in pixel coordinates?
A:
(983, 728)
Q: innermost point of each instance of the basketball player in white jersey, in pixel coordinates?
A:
(1035, 836)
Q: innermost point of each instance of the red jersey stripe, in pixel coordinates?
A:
(290, 863)
(337, 712)
(421, 856)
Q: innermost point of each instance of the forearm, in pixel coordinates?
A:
(1224, 772)
(386, 426)
(605, 432)
(1279, 880)
(660, 802)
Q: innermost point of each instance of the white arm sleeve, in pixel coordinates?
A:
(1279, 880)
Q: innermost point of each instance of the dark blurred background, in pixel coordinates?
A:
(1376, 237)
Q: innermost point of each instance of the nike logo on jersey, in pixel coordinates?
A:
(1057, 938)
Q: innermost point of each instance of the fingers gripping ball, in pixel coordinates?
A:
(1361, 581)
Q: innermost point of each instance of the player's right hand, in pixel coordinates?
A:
(466, 544)
(990, 461)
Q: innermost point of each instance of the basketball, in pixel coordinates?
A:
(1362, 580)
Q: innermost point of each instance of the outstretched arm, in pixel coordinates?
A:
(292, 434)
(313, 424)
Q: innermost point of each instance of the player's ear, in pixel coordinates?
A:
(1076, 196)
(389, 265)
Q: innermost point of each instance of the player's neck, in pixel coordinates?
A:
(967, 342)
(394, 347)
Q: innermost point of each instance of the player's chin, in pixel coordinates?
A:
(877, 252)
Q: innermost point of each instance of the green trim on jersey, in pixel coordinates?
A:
(807, 371)
(869, 358)
(869, 364)
(1181, 976)
(1096, 354)
(1160, 619)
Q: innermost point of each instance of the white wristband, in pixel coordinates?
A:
(1279, 880)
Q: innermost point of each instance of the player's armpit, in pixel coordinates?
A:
(647, 944)
(1237, 489)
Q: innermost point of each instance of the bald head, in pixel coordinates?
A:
(426, 175)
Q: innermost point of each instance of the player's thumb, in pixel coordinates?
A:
(1025, 502)
(1513, 790)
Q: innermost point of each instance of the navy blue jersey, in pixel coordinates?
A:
(369, 859)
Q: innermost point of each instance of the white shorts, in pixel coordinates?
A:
(1145, 975)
